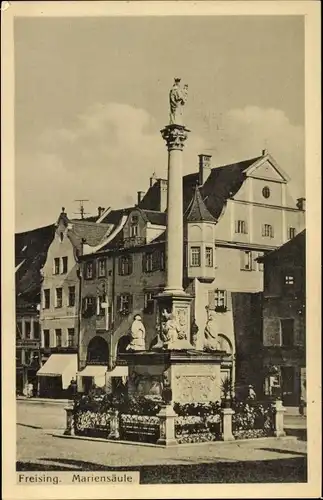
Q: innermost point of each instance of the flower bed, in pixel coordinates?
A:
(91, 423)
(197, 422)
(252, 420)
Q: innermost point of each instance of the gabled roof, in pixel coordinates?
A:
(90, 233)
(197, 211)
(223, 183)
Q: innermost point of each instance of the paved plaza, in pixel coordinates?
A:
(40, 447)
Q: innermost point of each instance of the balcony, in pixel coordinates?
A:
(134, 241)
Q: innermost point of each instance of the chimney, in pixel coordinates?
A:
(264, 152)
(140, 195)
(301, 203)
(100, 211)
(163, 187)
(204, 168)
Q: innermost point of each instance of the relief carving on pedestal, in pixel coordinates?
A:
(193, 388)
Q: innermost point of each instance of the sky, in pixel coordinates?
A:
(91, 96)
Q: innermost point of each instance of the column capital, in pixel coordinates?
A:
(175, 136)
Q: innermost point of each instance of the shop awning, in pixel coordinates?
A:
(64, 365)
(93, 371)
(100, 371)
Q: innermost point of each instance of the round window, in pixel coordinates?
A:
(266, 192)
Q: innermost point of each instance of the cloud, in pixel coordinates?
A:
(106, 156)
(111, 150)
(243, 133)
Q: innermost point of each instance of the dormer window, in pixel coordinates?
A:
(134, 231)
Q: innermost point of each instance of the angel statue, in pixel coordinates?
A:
(177, 99)
(211, 340)
(138, 333)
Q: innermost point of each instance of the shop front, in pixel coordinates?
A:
(55, 376)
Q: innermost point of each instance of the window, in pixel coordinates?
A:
(241, 227)
(287, 332)
(19, 330)
(291, 233)
(36, 330)
(260, 264)
(47, 298)
(125, 265)
(71, 296)
(65, 265)
(102, 268)
(289, 279)
(246, 260)
(27, 357)
(89, 270)
(18, 356)
(46, 338)
(58, 337)
(134, 230)
(267, 231)
(59, 297)
(149, 303)
(220, 299)
(88, 306)
(27, 329)
(56, 265)
(70, 337)
(195, 256)
(209, 257)
(100, 310)
(124, 305)
(148, 266)
(266, 192)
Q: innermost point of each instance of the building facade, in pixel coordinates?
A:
(60, 297)
(284, 321)
(30, 254)
(232, 216)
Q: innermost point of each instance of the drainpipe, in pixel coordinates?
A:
(79, 314)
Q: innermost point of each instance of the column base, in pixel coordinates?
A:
(279, 434)
(167, 442)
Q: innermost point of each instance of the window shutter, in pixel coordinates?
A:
(211, 299)
(130, 264)
(236, 226)
(263, 230)
(119, 265)
(229, 300)
(144, 259)
(118, 303)
(84, 304)
(242, 260)
(253, 261)
(130, 302)
(272, 231)
(245, 227)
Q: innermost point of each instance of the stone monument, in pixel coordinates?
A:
(192, 375)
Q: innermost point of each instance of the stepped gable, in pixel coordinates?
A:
(197, 210)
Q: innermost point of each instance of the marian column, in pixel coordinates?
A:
(174, 303)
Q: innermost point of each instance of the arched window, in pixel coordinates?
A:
(98, 351)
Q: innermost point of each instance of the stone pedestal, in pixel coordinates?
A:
(279, 419)
(179, 307)
(227, 414)
(192, 376)
(69, 430)
(167, 426)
